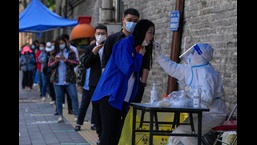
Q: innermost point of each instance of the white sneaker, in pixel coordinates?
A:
(52, 102)
(35, 85)
(60, 119)
(43, 98)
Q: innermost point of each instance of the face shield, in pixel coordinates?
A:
(192, 51)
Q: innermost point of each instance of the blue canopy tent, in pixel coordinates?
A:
(36, 17)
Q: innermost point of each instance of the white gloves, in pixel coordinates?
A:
(157, 48)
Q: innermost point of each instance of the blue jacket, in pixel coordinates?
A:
(27, 62)
(114, 81)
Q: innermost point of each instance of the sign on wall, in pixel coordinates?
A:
(174, 20)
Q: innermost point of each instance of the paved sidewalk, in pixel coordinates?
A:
(38, 125)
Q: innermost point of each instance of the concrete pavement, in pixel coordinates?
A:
(38, 125)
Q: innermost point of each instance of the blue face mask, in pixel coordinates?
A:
(130, 26)
(41, 48)
(62, 46)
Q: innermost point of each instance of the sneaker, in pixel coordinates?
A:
(55, 113)
(77, 128)
(35, 85)
(60, 119)
(93, 127)
(43, 98)
(52, 102)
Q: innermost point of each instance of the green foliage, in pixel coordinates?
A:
(50, 4)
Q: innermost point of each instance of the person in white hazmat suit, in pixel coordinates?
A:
(197, 71)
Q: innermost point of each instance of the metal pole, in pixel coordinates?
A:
(175, 45)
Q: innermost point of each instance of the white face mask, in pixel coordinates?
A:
(100, 38)
(62, 46)
(144, 43)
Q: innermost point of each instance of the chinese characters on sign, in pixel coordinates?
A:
(174, 20)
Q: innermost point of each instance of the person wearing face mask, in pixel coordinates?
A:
(68, 99)
(35, 48)
(88, 76)
(47, 71)
(118, 83)
(196, 70)
(42, 59)
(62, 63)
(38, 66)
(27, 61)
(129, 20)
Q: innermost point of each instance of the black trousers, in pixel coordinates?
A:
(85, 101)
(23, 80)
(107, 121)
(27, 79)
(50, 87)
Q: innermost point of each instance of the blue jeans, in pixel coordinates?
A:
(44, 84)
(36, 78)
(59, 92)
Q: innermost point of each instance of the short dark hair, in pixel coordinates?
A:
(66, 36)
(92, 38)
(43, 42)
(131, 11)
(101, 26)
(140, 30)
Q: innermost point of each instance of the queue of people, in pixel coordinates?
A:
(112, 72)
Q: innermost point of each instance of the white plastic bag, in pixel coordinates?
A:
(179, 99)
